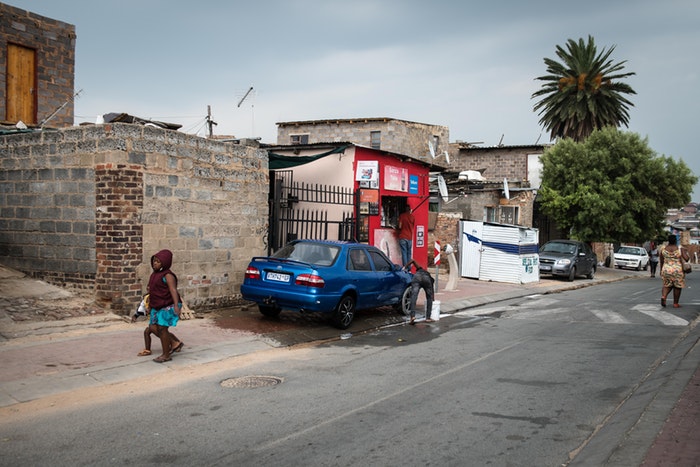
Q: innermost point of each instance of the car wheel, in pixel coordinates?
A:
(591, 274)
(269, 311)
(646, 266)
(344, 312)
(572, 274)
(639, 266)
(404, 305)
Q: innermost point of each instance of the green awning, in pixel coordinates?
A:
(279, 161)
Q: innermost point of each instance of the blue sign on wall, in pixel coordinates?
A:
(413, 184)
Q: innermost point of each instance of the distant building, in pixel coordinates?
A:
(37, 69)
(387, 134)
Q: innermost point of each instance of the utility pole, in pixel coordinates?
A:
(210, 122)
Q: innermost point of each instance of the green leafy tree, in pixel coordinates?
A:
(582, 93)
(612, 187)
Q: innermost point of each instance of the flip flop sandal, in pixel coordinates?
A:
(144, 353)
(161, 359)
(179, 347)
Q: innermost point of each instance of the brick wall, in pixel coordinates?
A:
(54, 44)
(500, 162)
(446, 232)
(86, 207)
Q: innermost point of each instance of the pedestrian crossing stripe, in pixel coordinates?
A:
(608, 316)
(544, 308)
(665, 317)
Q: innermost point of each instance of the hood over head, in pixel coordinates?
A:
(165, 257)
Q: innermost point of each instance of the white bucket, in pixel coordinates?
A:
(435, 312)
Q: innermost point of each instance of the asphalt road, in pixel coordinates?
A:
(570, 378)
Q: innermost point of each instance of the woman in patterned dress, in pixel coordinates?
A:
(672, 273)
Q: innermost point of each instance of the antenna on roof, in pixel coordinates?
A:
(252, 107)
(245, 95)
(71, 99)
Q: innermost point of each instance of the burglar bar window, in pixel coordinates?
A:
(489, 214)
(509, 215)
(375, 139)
(299, 139)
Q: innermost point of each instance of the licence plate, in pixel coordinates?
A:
(277, 277)
(545, 268)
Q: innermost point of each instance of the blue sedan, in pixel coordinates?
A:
(326, 276)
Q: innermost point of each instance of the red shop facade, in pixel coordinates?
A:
(385, 184)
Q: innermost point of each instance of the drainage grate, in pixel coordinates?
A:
(251, 382)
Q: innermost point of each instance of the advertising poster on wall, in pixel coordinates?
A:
(413, 185)
(367, 171)
(388, 241)
(395, 178)
(420, 236)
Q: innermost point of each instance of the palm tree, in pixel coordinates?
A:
(581, 94)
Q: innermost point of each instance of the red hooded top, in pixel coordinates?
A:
(157, 286)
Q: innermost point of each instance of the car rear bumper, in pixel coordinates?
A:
(290, 300)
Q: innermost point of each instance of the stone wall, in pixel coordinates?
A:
(86, 207)
(397, 136)
(54, 45)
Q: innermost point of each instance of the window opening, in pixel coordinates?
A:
(375, 139)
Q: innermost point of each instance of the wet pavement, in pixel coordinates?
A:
(52, 343)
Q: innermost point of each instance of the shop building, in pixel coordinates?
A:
(344, 191)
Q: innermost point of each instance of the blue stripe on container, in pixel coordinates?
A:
(525, 249)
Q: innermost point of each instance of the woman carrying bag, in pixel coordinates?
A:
(671, 260)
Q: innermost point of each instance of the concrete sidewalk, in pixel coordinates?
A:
(44, 358)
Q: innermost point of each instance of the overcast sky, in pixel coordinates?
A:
(467, 65)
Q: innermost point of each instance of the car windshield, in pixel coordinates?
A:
(318, 254)
(556, 247)
(628, 251)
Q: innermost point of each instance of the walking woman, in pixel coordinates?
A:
(165, 302)
(672, 273)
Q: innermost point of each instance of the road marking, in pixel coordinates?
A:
(609, 316)
(663, 316)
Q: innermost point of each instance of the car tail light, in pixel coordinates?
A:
(252, 273)
(310, 280)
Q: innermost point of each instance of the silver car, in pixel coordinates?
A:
(568, 258)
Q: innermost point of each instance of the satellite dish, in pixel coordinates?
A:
(447, 157)
(506, 193)
(432, 149)
(470, 175)
(442, 186)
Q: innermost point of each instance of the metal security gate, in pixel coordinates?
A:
(327, 212)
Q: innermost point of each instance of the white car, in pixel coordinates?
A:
(633, 257)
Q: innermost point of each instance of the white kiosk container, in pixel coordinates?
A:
(498, 252)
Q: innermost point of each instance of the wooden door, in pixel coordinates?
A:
(21, 85)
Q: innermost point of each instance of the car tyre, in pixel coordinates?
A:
(591, 274)
(344, 312)
(404, 305)
(572, 274)
(269, 311)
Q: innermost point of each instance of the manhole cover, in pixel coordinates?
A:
(251, 382)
